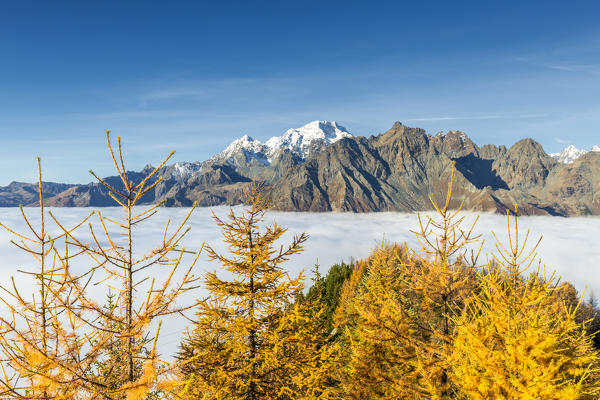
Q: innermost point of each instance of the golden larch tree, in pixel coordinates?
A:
(63, 342)
(251, 340)
(42, 353)
(379, 362)
(400, 320)
(441, 274)
(518, 339)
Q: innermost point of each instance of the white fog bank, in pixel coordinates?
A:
(569, 246)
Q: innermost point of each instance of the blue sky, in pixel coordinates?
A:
(193, 76)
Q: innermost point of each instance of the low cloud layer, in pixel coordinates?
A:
(569, 245)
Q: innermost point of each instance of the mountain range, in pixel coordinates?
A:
(322, 167)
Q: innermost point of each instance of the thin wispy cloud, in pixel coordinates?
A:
(128, 114)
(169, 94)
(562, 141)
(560, 65)
(209, 90)
(38, 141)
(482, 117)
(591, 68)
(202, 89)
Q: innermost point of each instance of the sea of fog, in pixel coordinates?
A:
(569, 245)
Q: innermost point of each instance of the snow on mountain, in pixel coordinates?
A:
(461, 135)
(570, 154)
(187, 168)
(300, 142)
(250, 147)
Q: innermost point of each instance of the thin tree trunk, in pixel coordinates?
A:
(129, 288)
(43, 269)
(252, 391)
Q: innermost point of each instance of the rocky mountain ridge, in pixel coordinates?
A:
(322, 167)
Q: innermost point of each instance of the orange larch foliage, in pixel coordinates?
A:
(518, 339)
(250, 339)
(399, 328)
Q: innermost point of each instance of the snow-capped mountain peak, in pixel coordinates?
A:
(571, 153)
(330, 131)
(248, 146)
(301, 142)
(245, 142)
